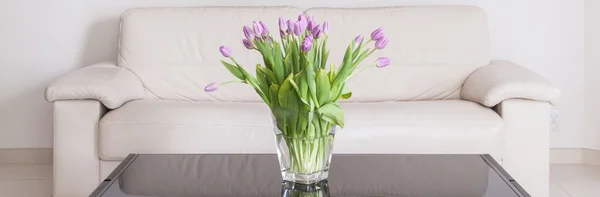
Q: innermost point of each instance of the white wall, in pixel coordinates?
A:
(41, 40)
(592, 73)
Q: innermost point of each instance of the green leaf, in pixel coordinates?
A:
(262, 81)
(310, 80)
(332, 73)
(324, 53)
(362, 56)
(344, 69)
(357, 50)
(303, 86)
(234, 70)
(278, 67)
(304, 100)
(336, 92)
(273, 91)
(323, 86)
(347, 95)
(284, 91)
(270, 75)
(332, 113)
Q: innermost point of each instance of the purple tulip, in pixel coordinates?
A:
(382, 42)
(325, 27)
(248, 44)
(282, 34)
(302, 18)
(311, 18)
(357, 40)
(282, 24)
(383, 62)
(248, 32)
(297, 29)
(225, 51)
(302, 26)
(211, 87)
(291, 24)
(378, 34)
(265, 30)
(317, 31)
(311, 25)
(307, 44)
(257, 28)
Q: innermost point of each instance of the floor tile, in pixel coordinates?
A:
(25, 172)
(26, 188)
(556, 191)
(577, 180)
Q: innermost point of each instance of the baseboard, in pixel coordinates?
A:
(26, 156)
(574, 156)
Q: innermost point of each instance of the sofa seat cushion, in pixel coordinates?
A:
(159, 126)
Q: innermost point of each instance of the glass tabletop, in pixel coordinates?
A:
(350, 175)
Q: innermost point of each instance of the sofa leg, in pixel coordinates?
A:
(527, 144)
(76, 162)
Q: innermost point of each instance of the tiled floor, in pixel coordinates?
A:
(18, 180)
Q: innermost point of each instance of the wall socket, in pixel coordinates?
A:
(554, 119)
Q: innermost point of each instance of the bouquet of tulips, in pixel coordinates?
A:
(295, 81)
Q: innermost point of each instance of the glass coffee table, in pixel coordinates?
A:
(247, 175)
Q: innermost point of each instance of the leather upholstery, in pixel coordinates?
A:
(503, 80)
(76, 165)
(433, 49)
(152, 126)
(175, 51)
(105, 82)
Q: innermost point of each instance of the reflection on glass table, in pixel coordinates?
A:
(350, 175)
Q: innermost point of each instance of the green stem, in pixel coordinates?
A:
(232, 81)
(357, 71)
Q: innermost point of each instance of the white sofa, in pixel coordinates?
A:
(443, 94)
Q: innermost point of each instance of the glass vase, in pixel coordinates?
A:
(290, 189)
(304, 142)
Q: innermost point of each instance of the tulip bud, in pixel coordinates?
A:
(282, 34)
(383, 62)
(248, 32)
(291, 24)
(317, 31)
(265, 30)
(211, 87)
(282, 24)
(297, 29)
(302, 18)
(225, 51)
(248, 44)
(378, 34)
(357, 40)
(257, 28)
(382, 42)
(307, 44)
(311, 25)
(325, 27)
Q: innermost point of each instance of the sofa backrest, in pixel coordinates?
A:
(174, 51)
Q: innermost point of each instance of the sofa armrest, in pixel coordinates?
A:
(503, 80)
(105, 82)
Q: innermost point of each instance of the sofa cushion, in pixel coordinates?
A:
(175, 51)
(433, 49)
(158, 126)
